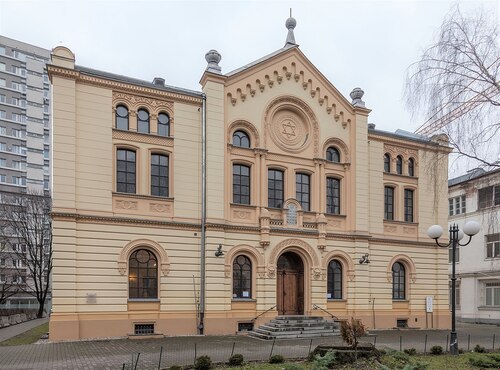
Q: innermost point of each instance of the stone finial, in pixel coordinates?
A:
(356, 95)
(213, 58)
(290, 25)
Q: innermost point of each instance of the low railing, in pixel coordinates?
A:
(266, 311)
(316, 307)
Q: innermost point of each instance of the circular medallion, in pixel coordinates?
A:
(289, 130)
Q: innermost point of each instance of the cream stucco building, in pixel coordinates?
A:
(306, 204)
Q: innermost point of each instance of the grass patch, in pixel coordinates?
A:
(29, 337)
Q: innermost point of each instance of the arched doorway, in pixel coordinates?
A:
(290, 284)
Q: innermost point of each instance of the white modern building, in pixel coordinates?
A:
(476, 196)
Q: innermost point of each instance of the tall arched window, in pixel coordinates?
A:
(334, 280)
(398, 281)
(411, 167)
(399, 165)
(241, 139)
(143, 275)
(242, 277)
(121, 117)
(332, 155)
(143, 121)
(163, 124)
(387, 162)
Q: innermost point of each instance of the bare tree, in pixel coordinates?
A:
(8, 277)
(456, 85)
(26, 224)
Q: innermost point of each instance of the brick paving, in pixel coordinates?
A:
(113, 354)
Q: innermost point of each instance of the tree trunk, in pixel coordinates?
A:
(40, 310)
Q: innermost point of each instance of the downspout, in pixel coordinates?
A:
(203, 211)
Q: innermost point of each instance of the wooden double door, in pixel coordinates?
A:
(290, 284)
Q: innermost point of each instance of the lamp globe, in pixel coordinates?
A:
(471, 228)
(435, 231)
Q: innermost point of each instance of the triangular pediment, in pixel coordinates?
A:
(287, 65)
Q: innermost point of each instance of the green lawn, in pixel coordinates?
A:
(28, 337)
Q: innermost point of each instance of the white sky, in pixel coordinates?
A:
(369, 44)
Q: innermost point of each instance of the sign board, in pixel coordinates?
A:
(428, 304)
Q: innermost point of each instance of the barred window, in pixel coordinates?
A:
(143, 275)
(242, 277)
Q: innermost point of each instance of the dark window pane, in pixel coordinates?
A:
(125, 171)
(332, 155)
(159, 175)
(241, 184)
(242, 277)
(241, 139)
(302, 190)
(274, 188)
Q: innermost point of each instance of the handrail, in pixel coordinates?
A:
(266, 311)
(316, 307)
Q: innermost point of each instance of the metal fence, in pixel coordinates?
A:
(220, 349)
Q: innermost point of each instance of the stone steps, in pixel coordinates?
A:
(288, 327)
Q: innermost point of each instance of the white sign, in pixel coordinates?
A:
(428, 304)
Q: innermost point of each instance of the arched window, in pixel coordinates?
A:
(241, 139)
(163, 124)
(388, 203)
(332, 196)
(143, 275)
(399, 165)
(398, 281)
(411, 167)
(387, 162)
(242, 277)
(332, 155)
(241, 184)
(121, 117)
(159, 175)
(334, 280)
(125, 171)
(143, 121)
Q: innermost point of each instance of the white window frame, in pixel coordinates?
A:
(457, 205)
(493, 245)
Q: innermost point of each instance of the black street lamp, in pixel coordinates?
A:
(471, 228)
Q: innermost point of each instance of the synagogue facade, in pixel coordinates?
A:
(266, 193)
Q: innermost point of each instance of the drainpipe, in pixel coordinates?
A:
(203, 211)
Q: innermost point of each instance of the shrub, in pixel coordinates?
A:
(410, 351)
(175, 367)
(293, 367)
(351, 332)
(324, 362)
(489, 361)
(479, 349)
(203, 363)
(276, 359)
(436, 350)
(235, 360)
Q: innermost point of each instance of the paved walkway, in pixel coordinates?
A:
(13, 330)
(113, 354)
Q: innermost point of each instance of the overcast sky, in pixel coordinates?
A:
(369, 44)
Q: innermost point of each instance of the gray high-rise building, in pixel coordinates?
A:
(25, 136)
(24, 117)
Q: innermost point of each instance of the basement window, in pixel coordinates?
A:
(402, 323)
(144, 329)
(245, 326)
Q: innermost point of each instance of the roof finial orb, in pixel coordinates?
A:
(290, 25)
(213, 58)
(356, 95)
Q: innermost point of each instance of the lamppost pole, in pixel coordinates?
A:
(470, 228)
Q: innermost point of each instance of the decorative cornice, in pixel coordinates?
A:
(408, 143)
(143, 138)
(121, 86)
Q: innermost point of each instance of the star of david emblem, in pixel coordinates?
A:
(289, 129)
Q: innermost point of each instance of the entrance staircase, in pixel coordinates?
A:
(288, 327)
